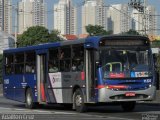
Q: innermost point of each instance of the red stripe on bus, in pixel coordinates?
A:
(43, 92)
(117, 86)
(100, 86)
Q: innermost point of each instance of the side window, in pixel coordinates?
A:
(77, 58)
(19, 63)
(53, 63)
(9, 64)
(65, 58)
(30, 62)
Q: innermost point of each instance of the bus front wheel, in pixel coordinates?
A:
(78, 101)
(128, 106)
(29, 99)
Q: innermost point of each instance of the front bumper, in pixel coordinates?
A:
(108, 95)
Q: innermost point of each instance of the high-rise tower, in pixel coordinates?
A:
(31, 13)
(95, 13)
(120, 17)
(65, 17)
(6, 16)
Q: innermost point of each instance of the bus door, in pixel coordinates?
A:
(41, 76)
(90, 75)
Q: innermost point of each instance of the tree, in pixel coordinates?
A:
(131, 32)
(36, 35)
(54, 36)
(96, 30)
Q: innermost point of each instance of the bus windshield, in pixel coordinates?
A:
(119, 63)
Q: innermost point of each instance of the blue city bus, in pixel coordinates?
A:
(99, 69)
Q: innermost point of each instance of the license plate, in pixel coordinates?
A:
(128, 94)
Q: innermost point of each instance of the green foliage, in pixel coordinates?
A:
(155, 43)
(36, 35)
(1, 63)
(131, 32)
(96, 30)
(54, 36)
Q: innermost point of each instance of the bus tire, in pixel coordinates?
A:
(29, 99)
(78, 101)
(128, 106)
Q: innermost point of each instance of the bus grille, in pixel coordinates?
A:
(123, 97)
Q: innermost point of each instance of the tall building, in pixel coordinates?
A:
(95, 13)
(6, 16)
(65, 17)
(145, 24)
(31, 13)
(7, 41)
(151, 22)
(137, 21)
(120, 19)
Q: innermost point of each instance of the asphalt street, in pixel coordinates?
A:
(57, 112)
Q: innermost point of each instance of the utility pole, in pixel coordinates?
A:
(145, 17)
(16, 25)
(15, 8)
(140, 6)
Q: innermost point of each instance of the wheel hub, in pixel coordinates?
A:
(29, 100)
(78, 100)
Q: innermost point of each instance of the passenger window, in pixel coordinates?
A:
(53, 63)
(19, 63)
(78, 57)
(65, 52)
(30, 62)
(9, 64)
(65, 59)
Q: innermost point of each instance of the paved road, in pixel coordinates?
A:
(61, 113)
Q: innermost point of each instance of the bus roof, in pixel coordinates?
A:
(90, 42)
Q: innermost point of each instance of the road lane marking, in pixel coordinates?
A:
(107, 117)
(119, 118)
(4, 108)
(41, 111)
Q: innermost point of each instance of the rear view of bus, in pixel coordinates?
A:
(125, 71)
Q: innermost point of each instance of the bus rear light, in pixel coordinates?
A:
(116, 86)
(82, 75)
